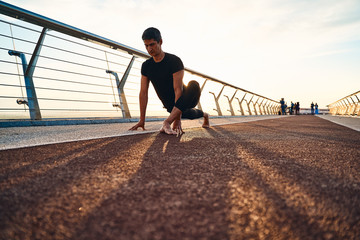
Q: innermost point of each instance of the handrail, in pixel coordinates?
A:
(342, 107)
(31, 17)
(37, 19)
(48, 23)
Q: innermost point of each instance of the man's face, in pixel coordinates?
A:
(153, 47)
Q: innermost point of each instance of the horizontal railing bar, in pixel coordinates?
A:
(226, 84)
(79, 54)
(18, 39)
(13, 109)
(59, 49)
(74, 63)
(60, 99)
(63, 71)
(59, 80)
(84, 45)
(17, 25)
(70, 72)
(355, 93)
(10, 97)
(10, 85)
(74, 91)
(64, 39)
(57, 89)
(68, 110)
(61, 60)
(75, 82)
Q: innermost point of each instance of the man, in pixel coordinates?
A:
(283, 108)
(166, 71)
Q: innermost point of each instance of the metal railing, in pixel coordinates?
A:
(349, 105)
(49, 69)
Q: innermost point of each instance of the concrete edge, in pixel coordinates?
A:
(341, 120)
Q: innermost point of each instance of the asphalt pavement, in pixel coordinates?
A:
(281, 178)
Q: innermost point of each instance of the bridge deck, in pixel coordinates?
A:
(285, 178)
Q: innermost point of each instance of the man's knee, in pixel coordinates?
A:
(193, 85)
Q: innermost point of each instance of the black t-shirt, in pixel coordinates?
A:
(161, 76)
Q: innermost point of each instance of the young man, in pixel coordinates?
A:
(166, 71)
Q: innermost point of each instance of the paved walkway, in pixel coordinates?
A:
(348, 121)
(285, 178)
(16, 137)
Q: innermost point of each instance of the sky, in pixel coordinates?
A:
(302, 50)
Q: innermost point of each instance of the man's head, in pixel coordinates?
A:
(152, 33)
(153, 41)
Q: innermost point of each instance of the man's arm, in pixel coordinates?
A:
(178, 84)
(178, 89)
(143, 100)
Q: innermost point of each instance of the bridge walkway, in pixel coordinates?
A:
(283, 178)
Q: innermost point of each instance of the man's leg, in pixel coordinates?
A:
(189, 99)
(193, 113)
(184, 108)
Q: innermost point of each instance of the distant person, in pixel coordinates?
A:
(297, 108)
(316, 108)
(291, 110)
(312, 108)
(283, 108)
(166, 71)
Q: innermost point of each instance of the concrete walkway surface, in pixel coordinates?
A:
(281, 178)
(352, 122)
(16, 137)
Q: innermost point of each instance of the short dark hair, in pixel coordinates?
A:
(152, 33)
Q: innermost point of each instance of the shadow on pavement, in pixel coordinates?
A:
(289, 178)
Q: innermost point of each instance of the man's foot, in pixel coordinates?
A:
(206, 123)
(166, 128)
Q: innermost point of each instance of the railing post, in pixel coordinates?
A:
(230, 103)
(120, 86)
(268, 107)
(335, 109)
(350, 105)
(260, 105)
(216, 98)
(33, 104)
(338, 109)
(276, 108)
(254, 104)
(248, 104)
(201, 89)
(356, 106)
(240, 104)
(271, 106)
(265, 107)
(345, 107)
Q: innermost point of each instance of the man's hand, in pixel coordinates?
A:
(139, 124)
